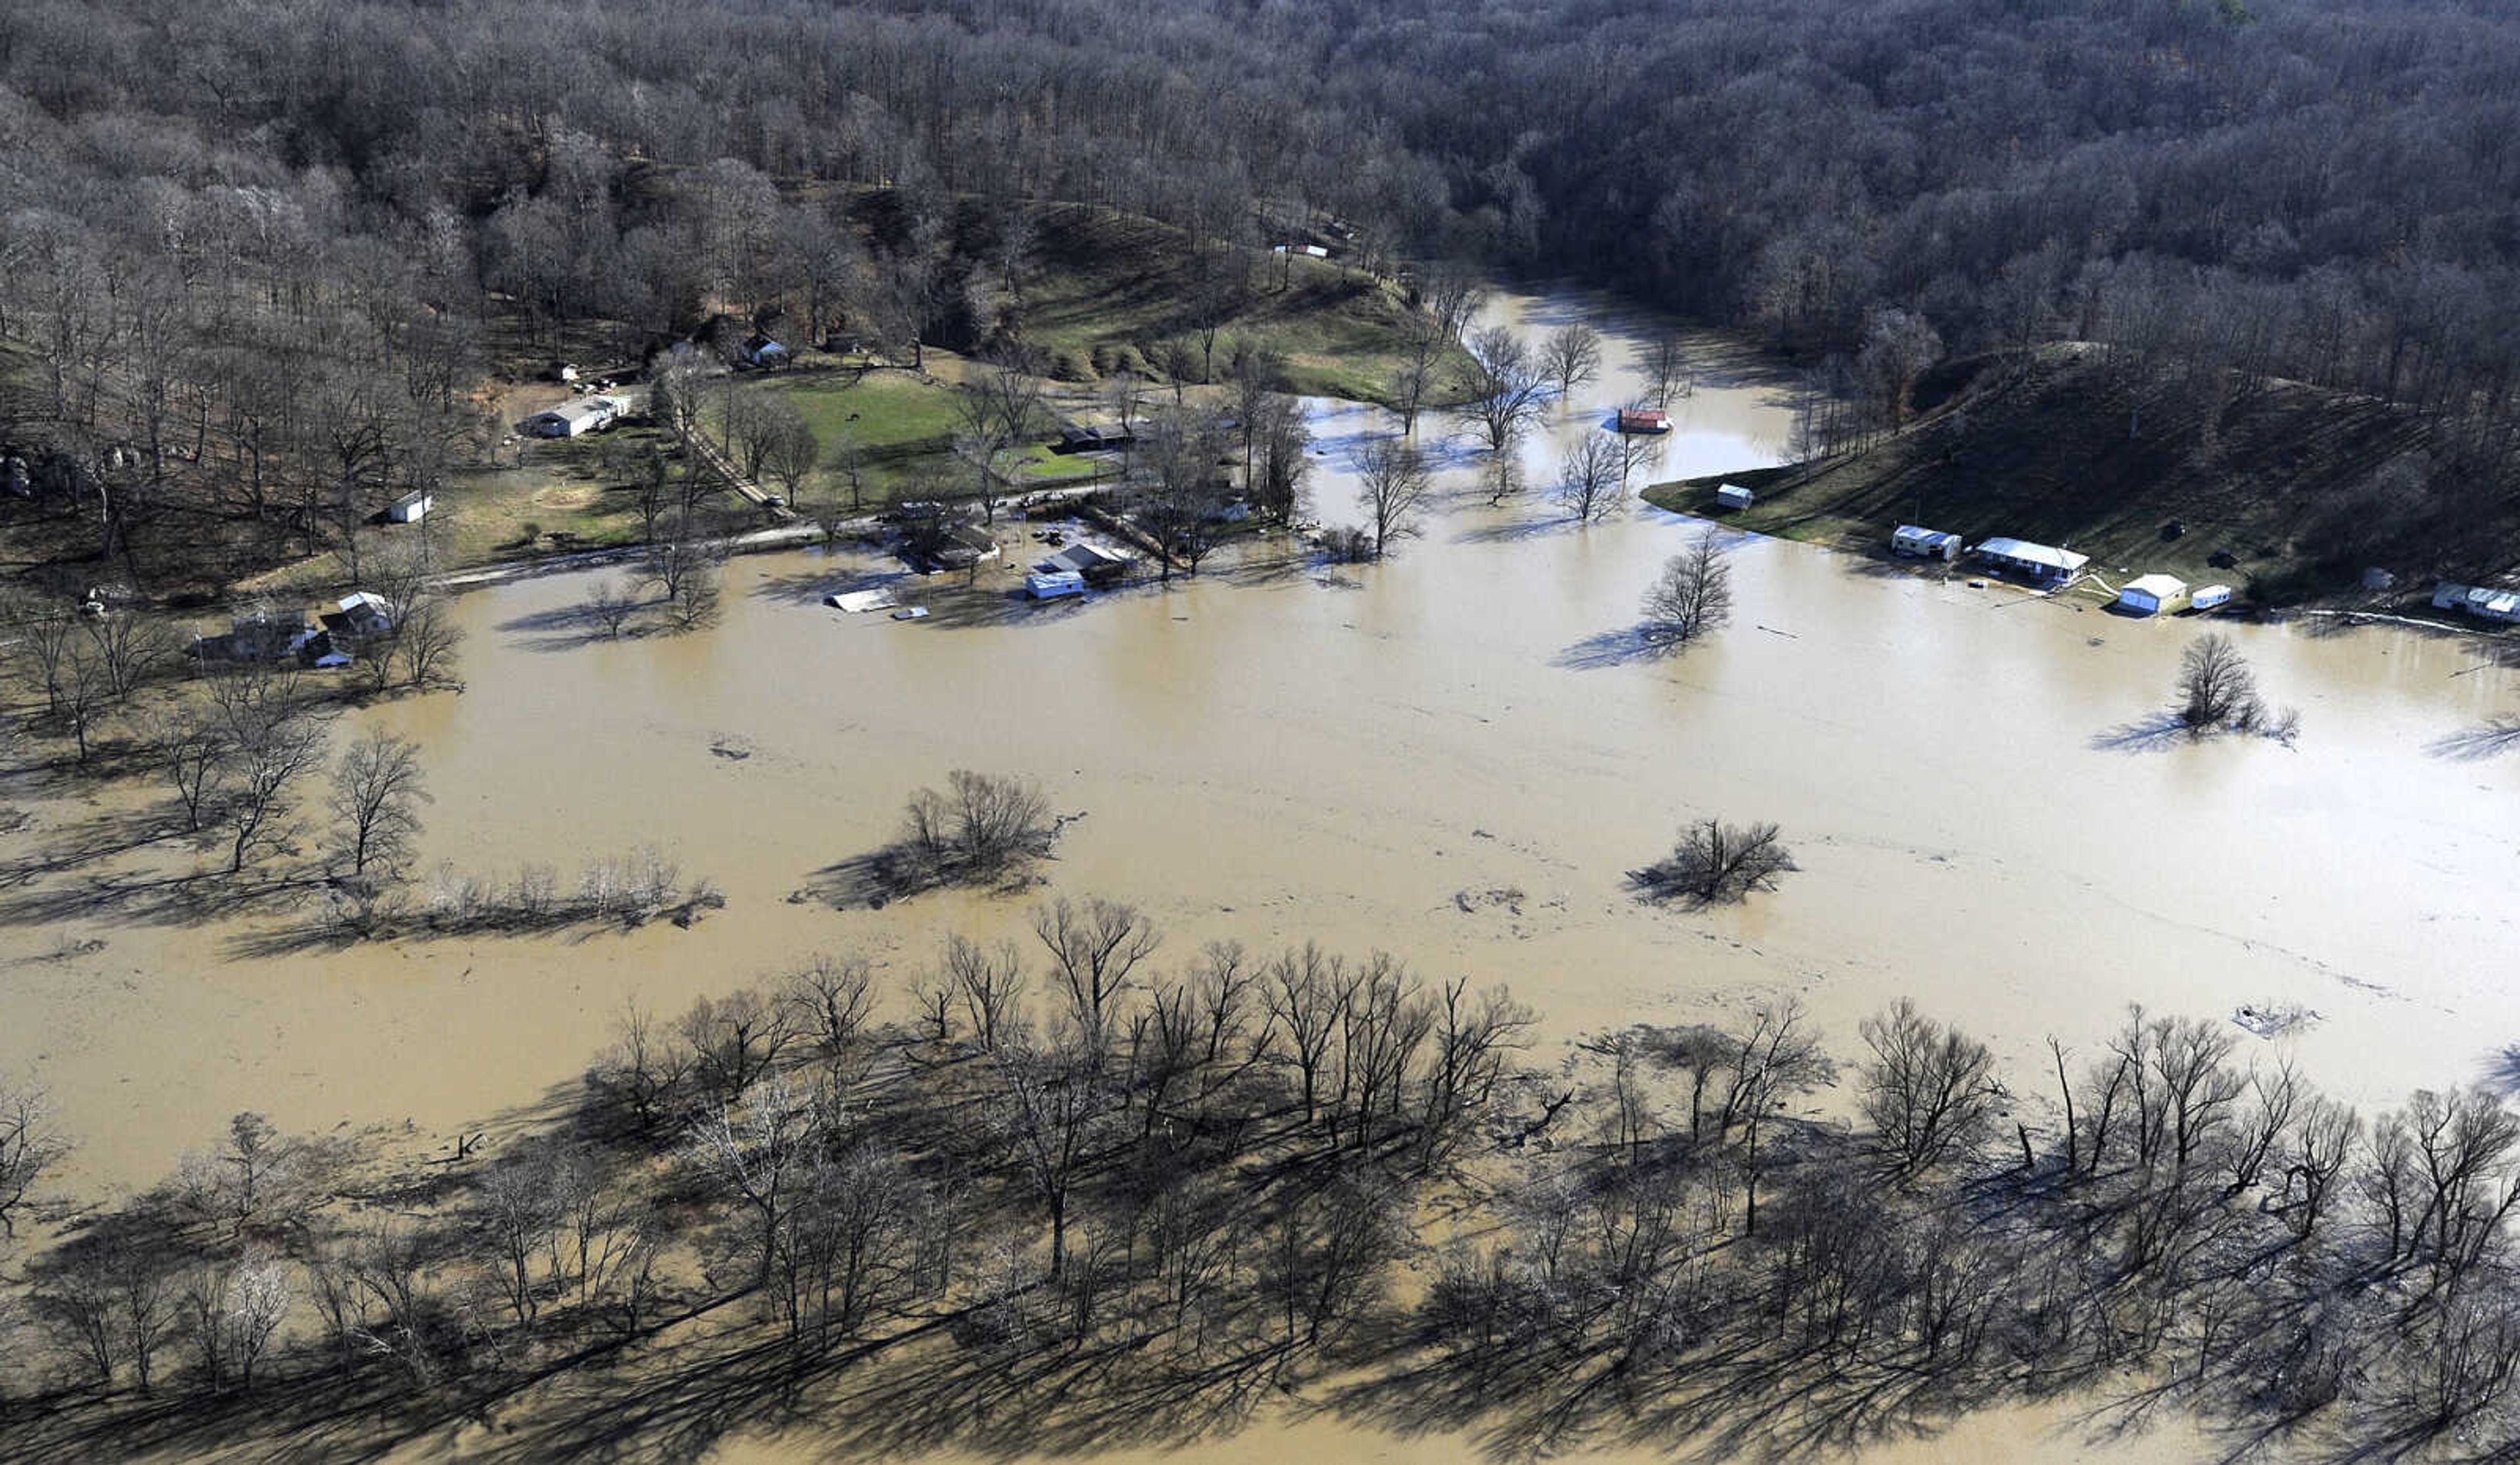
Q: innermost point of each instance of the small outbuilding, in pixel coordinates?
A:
(1733, 496)
(411, 507)
(2209, 598)
(2153, 595)
(2040, 564)
(1923, 544)
(1651, 421)
(1095, 563)
(1053, 584)
(1089, 437)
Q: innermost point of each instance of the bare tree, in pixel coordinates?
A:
(790, 453)
(1570, 356)
(1898, 345)
(1929, 1092)
(611, 606)
(1693, 594)
(1589, 478)
(758, 1147)
(278, 739)
(1502, 390)
(1393, 486)
(1668, 373)
(1715, 861)
(191, 752)
(1308, 992)
(980, 826)
(1051, 1106)
(1093, 948)
(2217, 690)
(377, 794)
(31, 1144)
(990, 982)
(846, 461)
(832, 1005)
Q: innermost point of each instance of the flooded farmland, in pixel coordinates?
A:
(1455, 755)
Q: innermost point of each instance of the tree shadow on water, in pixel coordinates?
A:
(2491, 738)
(2154, 732)
(1624, 646)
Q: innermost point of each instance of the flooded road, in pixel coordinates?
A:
(1455, 755)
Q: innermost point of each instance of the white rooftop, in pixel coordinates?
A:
(2030, 553)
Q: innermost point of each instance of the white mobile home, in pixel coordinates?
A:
(2209, 598)
(1052, 584)
(2041, 563)
(1925, 543)
(1733, 496)
(574, 418)
(2154, 595)
(2481, 601)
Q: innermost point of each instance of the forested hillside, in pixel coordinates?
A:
(265, 249)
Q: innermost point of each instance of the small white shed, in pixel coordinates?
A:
(2209, 598)
(1053, 584)
(2153, 595)
(411, 507)
(1733, 496)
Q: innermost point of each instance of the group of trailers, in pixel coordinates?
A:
(2053, 567)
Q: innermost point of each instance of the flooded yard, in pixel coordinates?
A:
(1456, 756)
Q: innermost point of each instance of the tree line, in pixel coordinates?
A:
(1063, 1188)
(259, 262)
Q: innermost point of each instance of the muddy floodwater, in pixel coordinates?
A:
(1455, 755)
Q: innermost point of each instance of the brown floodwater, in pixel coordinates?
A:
(1985, 819)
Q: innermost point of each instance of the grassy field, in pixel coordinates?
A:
(2282, 486)
(1110, 288)
(892, 414)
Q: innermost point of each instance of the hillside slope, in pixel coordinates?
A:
(2295, 488)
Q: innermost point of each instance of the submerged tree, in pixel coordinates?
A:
(2218, 692)
(1392, 487)
(978, 827)
(1719, 862)
(1693, 595)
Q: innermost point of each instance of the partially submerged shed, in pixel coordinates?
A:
(1733, 496)
(1092, 562)
(2153, 595)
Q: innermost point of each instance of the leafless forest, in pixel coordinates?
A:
(1095, 1190)
(257, 256)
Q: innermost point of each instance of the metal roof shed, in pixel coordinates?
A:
(2153, 595)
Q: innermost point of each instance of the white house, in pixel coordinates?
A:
(2153, 595)
(363, 612)
(1733, 496)
(574, 418)
(2045, 563)
(1925, 543)
(411, 507)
